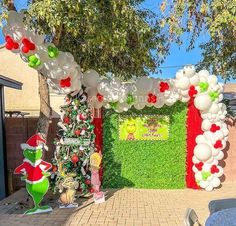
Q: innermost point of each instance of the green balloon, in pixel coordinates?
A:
(203, 86)
(33, 61)
(214, 95)
(53, 52)
(130, 99)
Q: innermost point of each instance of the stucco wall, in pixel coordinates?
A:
(27, 99)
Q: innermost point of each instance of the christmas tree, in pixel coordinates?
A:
(75, 143)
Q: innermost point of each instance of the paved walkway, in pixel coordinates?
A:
(123, 207)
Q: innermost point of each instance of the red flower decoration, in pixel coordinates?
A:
(92, 190)
(77, 132)
(199, 166)
(99, 97)
(152, 98)
(27, 45)
(214, 128)
(218, 144)
(214, 169)
(66, 120)
(192, 91)
(164, 86)
(10, 44)
(65, 82)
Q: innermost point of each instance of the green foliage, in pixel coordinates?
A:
(145, 164)
(217, 18)
(108, 36)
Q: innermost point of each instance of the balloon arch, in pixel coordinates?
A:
(201, 90)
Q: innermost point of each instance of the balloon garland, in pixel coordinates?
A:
(65, 75)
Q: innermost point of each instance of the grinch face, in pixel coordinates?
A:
(131, 127)
(33, 155)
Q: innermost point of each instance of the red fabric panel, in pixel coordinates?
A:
(97, 122)
(194, 122)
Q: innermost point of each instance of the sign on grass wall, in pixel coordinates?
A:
(144, 127)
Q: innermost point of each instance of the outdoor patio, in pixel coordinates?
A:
(123, 207)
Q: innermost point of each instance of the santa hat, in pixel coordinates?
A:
(34, 142)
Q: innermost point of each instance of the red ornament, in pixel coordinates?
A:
(82, 116)
(99, 97)
(10, 44)
(54, 169)
(75, 158)
(88, 182)
(66, 120)
(192, 91)
(77, 132)
(65, 82)
(152, 98)
(214, 169)
(199, 166)
(27, 45)
(91, 190)
(214, 128)
(218, 144)
(164, 86)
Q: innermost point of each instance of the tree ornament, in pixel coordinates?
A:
(82, 116)
(66, 120)
(77, 132)
(87, 181)
(75, 158)
(164, 86)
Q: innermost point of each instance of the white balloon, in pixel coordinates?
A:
(209, 188)
(200, 139)
(90, 78)
(194, 80)
(202, 152)
(212, 79)
(204, 184)
(203, 73)
(202, 102)
(206, 125)
(189, 71)
(103, 87)
(179, 74)
(183, 83)
(139, 105)
(215, 182)
(144, 85)
(214, 108)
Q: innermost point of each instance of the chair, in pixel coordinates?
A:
(221, 204)
(191, 218)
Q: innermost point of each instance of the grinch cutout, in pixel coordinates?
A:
(131, 128)
(95, 162)
(67, 198)
(35, 172)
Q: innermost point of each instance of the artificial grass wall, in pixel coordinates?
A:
(145, 164)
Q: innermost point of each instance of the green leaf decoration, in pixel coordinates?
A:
(205, 175)
(130, 99)
(203, 86)
(33, 61)
(53, 51)
(214, 95)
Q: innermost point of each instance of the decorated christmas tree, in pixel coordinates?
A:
(75, 143)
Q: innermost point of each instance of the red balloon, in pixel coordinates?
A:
(25, 49)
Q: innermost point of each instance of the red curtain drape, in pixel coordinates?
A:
(194, 122)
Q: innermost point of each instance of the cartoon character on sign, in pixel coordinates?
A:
(35, 172)
(152, 125)
(130, 128)
(95, 162)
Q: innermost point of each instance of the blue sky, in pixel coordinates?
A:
(178, 54)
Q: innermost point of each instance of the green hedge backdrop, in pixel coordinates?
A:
(145, 164)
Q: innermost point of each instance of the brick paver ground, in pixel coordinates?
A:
(123, 207)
